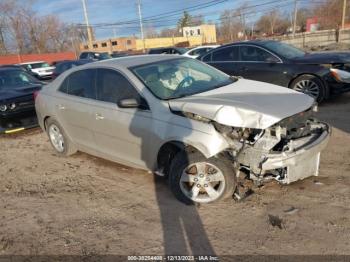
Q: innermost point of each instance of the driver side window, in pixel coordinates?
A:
(256, 54)
(113, 87)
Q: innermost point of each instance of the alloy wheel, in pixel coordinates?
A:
(308, 87)
(56, 138)
(202, 182)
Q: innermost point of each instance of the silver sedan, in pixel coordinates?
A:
(180, 118)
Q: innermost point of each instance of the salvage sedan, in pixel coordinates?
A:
(17, 89)
(319, 75)
(182, 119)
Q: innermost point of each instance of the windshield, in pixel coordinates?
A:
(15, 78)
(285, 50)
(38, 65)
(180, 77)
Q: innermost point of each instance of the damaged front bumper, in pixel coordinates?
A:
(300, 161)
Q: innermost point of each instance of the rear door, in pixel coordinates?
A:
(122, 134)
(73, 106)
(225, 59)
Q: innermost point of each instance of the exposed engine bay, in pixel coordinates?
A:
(286, 152)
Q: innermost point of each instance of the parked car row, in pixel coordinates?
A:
(18, 86)
(204, 123)
(17, 89)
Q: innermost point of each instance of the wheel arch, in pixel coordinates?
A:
(325, 85)
(169, 149)
(45, 122)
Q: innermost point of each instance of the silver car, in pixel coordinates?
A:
(180, 118)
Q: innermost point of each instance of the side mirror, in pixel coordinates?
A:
(133, 103)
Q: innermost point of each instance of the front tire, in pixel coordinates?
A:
(196, 179)
(310, 85)
(58, 138)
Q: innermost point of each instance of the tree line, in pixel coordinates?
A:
(23, 31)
(233, 23)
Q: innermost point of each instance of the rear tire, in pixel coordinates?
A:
(58, 138)
(196, 179)
(310, 85)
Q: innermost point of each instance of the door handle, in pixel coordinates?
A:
(99, 117)
(61, 107)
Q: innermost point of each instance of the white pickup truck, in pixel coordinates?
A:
(43, 69)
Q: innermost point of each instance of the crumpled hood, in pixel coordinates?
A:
(245, 103)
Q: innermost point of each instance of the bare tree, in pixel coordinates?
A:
(151, 32)
(233, 23)
(23, 31)
(329, 13)
(273, 23)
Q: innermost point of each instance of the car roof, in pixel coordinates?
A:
(254, 42)
(131, 61)
(162, 48)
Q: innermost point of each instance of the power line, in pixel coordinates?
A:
(167, 14)
(170, 22)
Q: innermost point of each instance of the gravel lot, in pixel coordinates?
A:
(83, 205)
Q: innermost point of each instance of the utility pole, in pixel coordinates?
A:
(141, 25)
(114, 32)
(343, 17)
(87, 23)
(295, 16)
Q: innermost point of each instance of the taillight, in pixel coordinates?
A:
(35, 94)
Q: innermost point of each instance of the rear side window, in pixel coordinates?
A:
(80, 83)
(112, 86)
(199, 51)
(226, 54)
(207, 58)
(64, 86)
(256, 54)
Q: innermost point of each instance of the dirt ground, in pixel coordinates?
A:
(83, 205)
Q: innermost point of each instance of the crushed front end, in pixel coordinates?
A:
(287, 151)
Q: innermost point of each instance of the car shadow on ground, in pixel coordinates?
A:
(182, 227)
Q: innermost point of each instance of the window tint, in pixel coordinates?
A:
(199, 51)
(207, 58)
(256, 54)
(226, 54)
(113, 86)
(82, 83)
(83, 55)
(64, 86)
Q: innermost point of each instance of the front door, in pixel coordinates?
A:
(123, 134)
(259, 64)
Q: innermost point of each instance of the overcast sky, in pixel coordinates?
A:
(112, 11)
